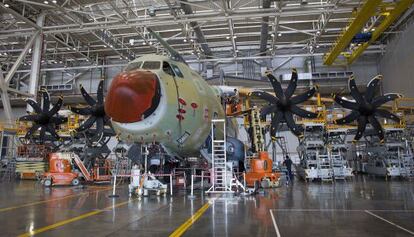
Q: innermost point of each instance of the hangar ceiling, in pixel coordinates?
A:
(89, 31)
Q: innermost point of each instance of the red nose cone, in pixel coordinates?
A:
(131, 95)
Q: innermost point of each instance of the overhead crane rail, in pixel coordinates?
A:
(385, 13)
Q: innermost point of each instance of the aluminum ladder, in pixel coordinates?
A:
(221, 180)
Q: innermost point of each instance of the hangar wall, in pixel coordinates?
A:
(397, 64)
(364, 70)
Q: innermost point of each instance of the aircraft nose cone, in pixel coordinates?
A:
(132, 95)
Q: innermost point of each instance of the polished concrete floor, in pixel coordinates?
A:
(361, 207)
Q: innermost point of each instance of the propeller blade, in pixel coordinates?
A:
(377, 127)
(87, 124)
(50, 128)
(81, 111)
(380, 100)
(34, 105)
(46, 101)
(371, 88)
(42, 134)
(276, 119)
(348, 119)
(91, 101)
(267, 110)
(30, 117)
(56, 107)
(58, 120)
(100, 95)
(362, 124)
(265, 96)
(302, 113)
(99, 129)
(386, 114)
(346, 103)
(276, 85)
(31, 131)
(297, 130)
(304, 96)
(354, 91)
(292, 84)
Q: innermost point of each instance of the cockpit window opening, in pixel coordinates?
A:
(133, 66)
(177, 70)
(167, 69)
(151, 65)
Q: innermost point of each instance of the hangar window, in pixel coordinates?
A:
(133, 66)
(177, 71)
(151, 65)
(167, 69)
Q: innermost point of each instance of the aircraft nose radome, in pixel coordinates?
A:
(131, 95)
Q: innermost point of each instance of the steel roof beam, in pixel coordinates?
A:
(19, 16)
(264, 31)
(197, 30)
(21, 58)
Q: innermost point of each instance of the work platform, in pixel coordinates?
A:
(362, 207)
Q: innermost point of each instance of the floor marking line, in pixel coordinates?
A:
(183, 228)
(275, 224)
(389, 222)
(48, 200)
(64, 222)
(346, 210)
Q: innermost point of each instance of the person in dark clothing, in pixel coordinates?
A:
(288, 163)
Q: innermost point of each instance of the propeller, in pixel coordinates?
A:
(96, 112)
(284, 104)
(44, 119)
(366, 108)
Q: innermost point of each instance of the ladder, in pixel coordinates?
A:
(221, 180)
(81, 166)
(257, 135)
(10, 171)
(337, 165)
(324, 167)
(408, 164)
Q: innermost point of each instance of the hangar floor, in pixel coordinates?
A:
(362, 207)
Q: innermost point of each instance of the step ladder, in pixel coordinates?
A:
(222, 175)
(9, 172)
(324, 168)
(337, 165)
(408, 165)
(407, 160)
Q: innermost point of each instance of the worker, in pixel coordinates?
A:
(288, 163)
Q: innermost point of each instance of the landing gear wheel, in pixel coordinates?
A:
(256, 186)
(75, 182)
(265, 183)
(47, 183)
